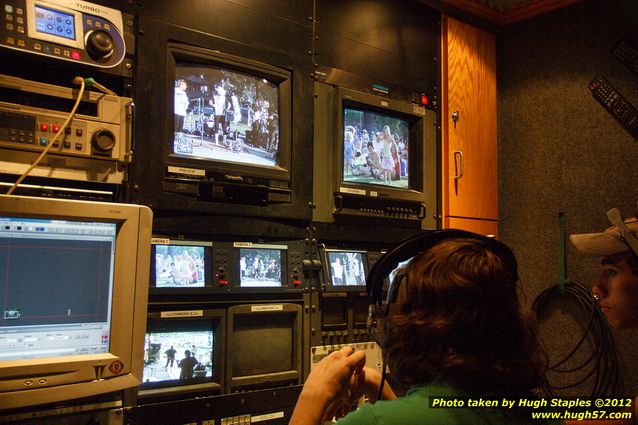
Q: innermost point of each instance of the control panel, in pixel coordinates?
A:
(33, 113)
(77, 31)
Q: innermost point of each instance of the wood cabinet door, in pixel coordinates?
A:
(470, 169)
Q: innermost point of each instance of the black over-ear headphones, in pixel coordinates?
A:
(410, 248)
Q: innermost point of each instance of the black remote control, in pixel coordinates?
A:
(626, 54)
(615, 103)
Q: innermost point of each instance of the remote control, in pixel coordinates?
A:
(615, 103)
(626, 54)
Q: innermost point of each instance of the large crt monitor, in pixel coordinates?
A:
(73, 292)
(231, 123)
(375, 159)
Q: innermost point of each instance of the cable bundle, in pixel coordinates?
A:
(603, 361)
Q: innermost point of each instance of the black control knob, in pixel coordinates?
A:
(99, 45)
(103, 141)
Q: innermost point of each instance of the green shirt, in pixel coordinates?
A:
(413, 409)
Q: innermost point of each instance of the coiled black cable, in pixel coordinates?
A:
(602, 365)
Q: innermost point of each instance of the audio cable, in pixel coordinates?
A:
(601, 365)
(76, 80)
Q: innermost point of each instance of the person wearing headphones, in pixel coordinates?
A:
(616, 288)
(456, 329)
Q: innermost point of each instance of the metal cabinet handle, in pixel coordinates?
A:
(457, 168)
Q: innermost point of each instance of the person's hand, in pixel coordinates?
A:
(327, 386)
(331, 376)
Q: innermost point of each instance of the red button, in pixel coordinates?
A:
(55, 128)
(75, 54)
(44, 127)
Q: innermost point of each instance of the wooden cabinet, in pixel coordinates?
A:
(468, 120)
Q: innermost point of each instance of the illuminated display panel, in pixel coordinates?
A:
(347, 270)
(261, 267)
(181, 264)
(225, 115)
(54, 22)
(375, 148)
(57, 287)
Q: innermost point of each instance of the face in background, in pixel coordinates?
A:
(617, 287)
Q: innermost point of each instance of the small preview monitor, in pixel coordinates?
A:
(262, 266)
(264, 345)
(180, 264)
(182, 348)
(375, 148)
(347, 270)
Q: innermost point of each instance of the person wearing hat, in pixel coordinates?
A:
(616, 289)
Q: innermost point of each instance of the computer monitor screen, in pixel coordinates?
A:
(347, 268)
(179, 264)
(261, 267)
(376, 148)
(224, 114)
(57, 287)
(73, 295)
(178, 356)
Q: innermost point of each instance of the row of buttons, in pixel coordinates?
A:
(73, 54)
(9, 9)
(55, 128)
(66, 144)
(10, 27)
(98, 24)
(18, 20)
(17, 136)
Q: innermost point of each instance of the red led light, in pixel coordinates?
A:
(424, 100)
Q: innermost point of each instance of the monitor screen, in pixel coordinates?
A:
(223, 114)
(375, 148)
(178, 356)
(264, 345)
(54, 22)
(347, 268)
(178, 264)
(73, 296)
(57, 287)
(261, 267)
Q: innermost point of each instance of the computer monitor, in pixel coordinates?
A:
(74, 296)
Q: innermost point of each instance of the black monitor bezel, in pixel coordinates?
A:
(415, 116)
(267, 380)
(199, 56)
(185, 314)
(227, 270)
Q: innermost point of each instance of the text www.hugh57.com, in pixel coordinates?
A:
(579, 416)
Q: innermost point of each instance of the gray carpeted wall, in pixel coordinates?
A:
(561, 152)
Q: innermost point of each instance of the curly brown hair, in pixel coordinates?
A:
(461, 320)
